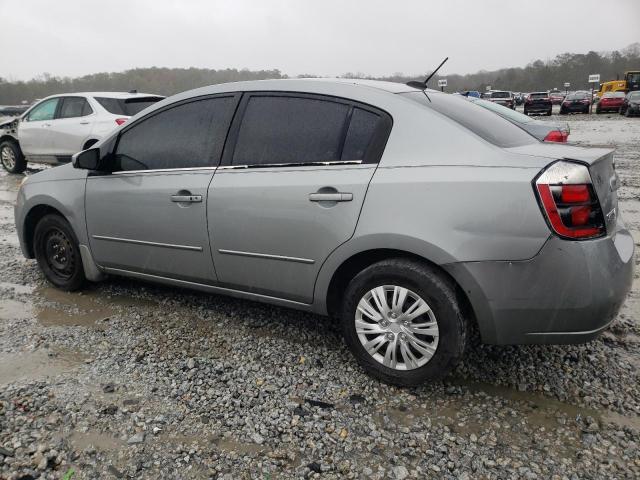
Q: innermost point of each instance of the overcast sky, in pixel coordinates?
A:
(323, 37)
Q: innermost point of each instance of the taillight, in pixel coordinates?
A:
(120, 121)
(557, 136)
(569, 202)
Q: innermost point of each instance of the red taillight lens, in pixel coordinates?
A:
(120, 121)
(569, 201)
(556, 136)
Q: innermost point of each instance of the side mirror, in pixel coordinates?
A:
(89, 160)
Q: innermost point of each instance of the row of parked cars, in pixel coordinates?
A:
(411, 215)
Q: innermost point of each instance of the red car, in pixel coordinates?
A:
(556, 98)
(610, 102)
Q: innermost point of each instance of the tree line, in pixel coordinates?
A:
(537, 75)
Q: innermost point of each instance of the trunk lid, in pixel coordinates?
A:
(601, 167)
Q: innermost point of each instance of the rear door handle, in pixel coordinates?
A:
(186, 198)
(331, 197)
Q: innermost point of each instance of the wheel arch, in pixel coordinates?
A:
(31, 219)
(329, 287)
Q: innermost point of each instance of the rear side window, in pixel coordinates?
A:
(360, 134)
(281, 129)
(484, 123)
(126, 106)
(190, 135)
(74, 107)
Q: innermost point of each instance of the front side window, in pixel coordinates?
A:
(74, 107)
(281, 129)
(44, 111)
(190, 135)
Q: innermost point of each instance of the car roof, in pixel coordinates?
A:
(105, 94)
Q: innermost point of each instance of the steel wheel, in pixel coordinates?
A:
(396, 327)
(8, 157)
(59, 253)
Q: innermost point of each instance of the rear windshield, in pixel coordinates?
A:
(634, 96)
(500, 95)
(484, 123)
(613, 95)
(576, 96)
(504, 111)
(539, 95)
(129, 106)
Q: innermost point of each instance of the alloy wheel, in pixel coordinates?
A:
(396, 327)
(8, 157)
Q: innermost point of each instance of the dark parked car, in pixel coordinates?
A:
(13, 111)
(631, 104)
(556, 98)
(610, 102)
(503, 98)
(544, 131)
(576, 102)
(538, 102)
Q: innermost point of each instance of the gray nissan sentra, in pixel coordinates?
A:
(413, 216)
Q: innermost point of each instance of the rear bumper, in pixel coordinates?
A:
(538, 107)
(568, 293)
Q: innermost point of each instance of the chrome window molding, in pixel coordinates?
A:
(267, 256)
(144, 242)
(288, 165)
(163, 170)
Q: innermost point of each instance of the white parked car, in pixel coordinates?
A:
(60, 125)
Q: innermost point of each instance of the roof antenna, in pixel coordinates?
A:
(423, 85)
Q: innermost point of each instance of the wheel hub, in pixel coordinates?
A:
(59, 253)
(8, 157)
(397, 327)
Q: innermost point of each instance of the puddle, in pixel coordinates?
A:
(37, 364)
(14, 310)
(69, 309)
(100, 441)
(229, 445)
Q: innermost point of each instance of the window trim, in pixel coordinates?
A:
(128, 126)
(374, 150)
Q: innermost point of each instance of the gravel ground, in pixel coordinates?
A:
(132, 380)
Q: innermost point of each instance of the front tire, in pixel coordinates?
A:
(402, 321)
(11, 157)
(57, 252)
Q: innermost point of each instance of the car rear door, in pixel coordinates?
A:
(33, 130)
(71, 127)
(290, 189)
(149, 215)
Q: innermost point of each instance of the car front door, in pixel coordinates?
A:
(34, 132)
(149, 215)
(290, 189)
(71, 126)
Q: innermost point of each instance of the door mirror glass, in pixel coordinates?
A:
(88, 159)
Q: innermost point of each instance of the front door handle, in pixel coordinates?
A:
(186, 198)
(331, 197)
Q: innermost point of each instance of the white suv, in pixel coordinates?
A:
(60, 125)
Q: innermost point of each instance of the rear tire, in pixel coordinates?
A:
(409, 358)
(549, 112)
(11, 157)
(57, 252)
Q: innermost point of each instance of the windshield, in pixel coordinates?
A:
(484, 123)
(504, 111)
(500, 95)
(129, 106)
